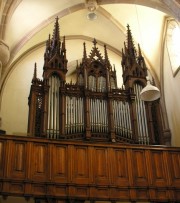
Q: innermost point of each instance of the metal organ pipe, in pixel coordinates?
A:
(91, 122)
(138, 115)
(119, 117)
(105, 116)
(123, 124)
(78, 115)
(115, 113)
(66, 125)
(49, 109)
(122, 120)
(95, 111)
(74, 122)
(126, 119)
(129, 121)
(82, 114)
(141, 117)
(74, 115)
(98, 116)
(53, 107)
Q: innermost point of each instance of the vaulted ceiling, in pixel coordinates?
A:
(26, 24)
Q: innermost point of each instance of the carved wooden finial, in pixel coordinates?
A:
(114, 67)
(139, 50)
(84, 51)
(64, 44)
(35, 73)
(94, 42)
(105, 53)
(57, 18)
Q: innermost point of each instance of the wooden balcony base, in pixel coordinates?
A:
(62, 170)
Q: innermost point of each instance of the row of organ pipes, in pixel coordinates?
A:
(94, 105)
(122, 120)
(98, 116)
(143, 137)
(74, 114)
(75, 111)
(53, 107)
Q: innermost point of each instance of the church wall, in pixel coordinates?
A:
(14, 103)
(171, 92)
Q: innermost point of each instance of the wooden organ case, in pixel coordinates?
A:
(90, 141)
(93, 108)
(89, 128)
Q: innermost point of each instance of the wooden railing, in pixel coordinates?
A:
(35, 167)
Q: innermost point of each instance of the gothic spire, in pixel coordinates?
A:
(63, 48)
(34, 79)
(56, 38)
(105, 53)
(130, 43)
(106, 56)
(141, 61)
(139, 50)
(95, 53)
(94, 42)
(55, 53)
(48, 48)
(84, 52)
(133, 64)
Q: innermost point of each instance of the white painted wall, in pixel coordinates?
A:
(172, 99)
(14, 104)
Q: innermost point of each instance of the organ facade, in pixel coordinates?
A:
(94, 107)
(90, 141)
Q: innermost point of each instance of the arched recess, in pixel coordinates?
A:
(169, 87)
(10, 7)
(17, 84)
(173, 44)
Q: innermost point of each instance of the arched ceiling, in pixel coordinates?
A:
(26, 24)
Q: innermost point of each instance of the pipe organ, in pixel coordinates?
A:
(53, 107)
(93, 108)
(141, 117)
(98, 116)
(122, 119)
(74, 115)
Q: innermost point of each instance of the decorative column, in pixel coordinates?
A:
(111, 118)
(87, 115)
(4, 55)
(4, 58)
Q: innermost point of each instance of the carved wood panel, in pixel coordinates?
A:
(60, 164)
(81, 165)
(159, 177)
(174, 165)
(119, 167)
(101, 166)
(18, 160)
(40, 162)
(76, 170)
(2, 143)
(139, 168)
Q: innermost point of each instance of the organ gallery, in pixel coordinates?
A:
(94, 107)
(90, 140)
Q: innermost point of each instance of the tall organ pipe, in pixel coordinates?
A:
(53, 107)
(74, 115)
(143, 136)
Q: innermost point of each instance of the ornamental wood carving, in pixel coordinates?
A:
(93, 108)
(64, 170)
